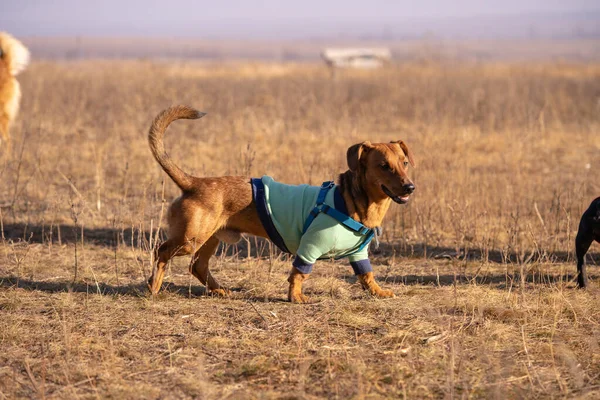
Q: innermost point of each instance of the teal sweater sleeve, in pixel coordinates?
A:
(323, 239)
(315, 243)
(361, 255)
(310, 251)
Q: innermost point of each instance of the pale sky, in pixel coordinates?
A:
(267, 18)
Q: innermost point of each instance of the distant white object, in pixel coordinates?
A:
(357, 57)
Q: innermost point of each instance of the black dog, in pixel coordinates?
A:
(589, 230)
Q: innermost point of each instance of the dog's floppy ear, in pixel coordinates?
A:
(354, 154)
(407, 152)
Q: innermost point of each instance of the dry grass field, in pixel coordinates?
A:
(481, 259)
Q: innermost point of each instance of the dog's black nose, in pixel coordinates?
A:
(409, 188)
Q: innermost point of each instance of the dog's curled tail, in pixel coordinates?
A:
(14, 52)
(155, 138)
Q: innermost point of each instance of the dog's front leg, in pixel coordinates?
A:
(295, 292)
(368, 283)
(583, 241)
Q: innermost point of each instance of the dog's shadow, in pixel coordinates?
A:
(498, 281)
(139, 290)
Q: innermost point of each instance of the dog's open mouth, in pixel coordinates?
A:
(396, 199)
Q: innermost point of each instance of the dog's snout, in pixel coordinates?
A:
(409, 188)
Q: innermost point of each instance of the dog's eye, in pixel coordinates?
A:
(405, 164)
(386, 167)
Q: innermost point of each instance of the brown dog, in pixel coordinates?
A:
(14, 57)
(222, 208)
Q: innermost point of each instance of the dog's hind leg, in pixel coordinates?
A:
(201, 270)
(164, 253)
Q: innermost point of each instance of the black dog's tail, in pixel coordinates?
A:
(155, 138)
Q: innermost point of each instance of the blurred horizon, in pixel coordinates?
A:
(310, 19)
(277, 30)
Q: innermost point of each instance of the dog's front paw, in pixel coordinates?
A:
(298, 298)
(368, 283)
